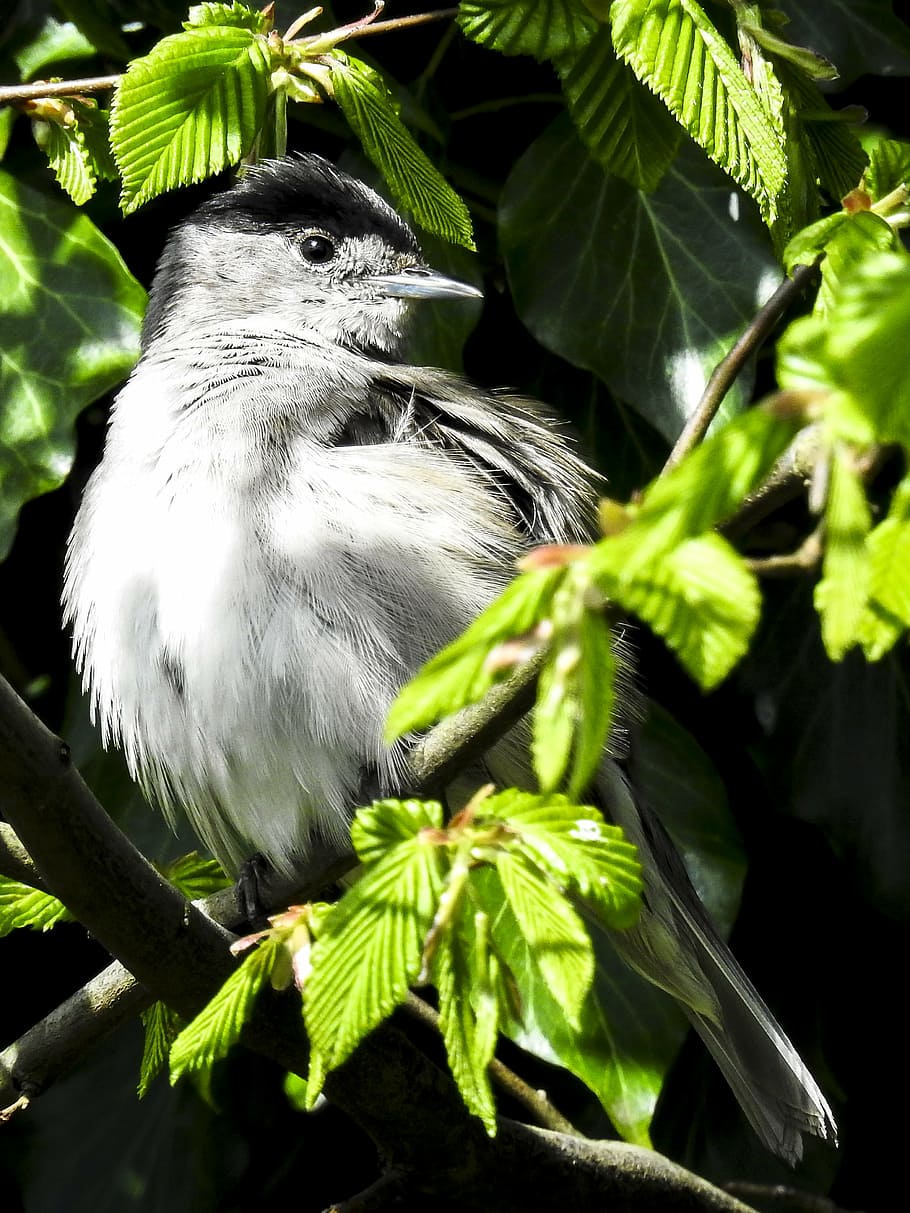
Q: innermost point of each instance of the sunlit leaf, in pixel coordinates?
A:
(542, 28)
(23, 906)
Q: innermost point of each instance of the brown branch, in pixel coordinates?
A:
(724, 374)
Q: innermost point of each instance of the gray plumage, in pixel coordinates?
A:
(289, 520)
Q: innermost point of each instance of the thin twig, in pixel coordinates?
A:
(59, 88)
(807, 556)
(534, 1102)
(724, 374)
(385, 27)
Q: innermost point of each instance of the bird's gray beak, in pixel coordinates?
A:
(418, 282)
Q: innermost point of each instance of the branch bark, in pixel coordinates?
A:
(409, 1107)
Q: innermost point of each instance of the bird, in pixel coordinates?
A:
(289, 519)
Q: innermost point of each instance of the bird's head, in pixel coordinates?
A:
(298, 241)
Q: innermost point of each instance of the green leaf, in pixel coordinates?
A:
(628, 1032)
(554, 931)
(575, 701)
(70, 313)
(388, 822)
(649, 291)
(701, 492)
(849, 244)
(461, 674)
(836, 154)
(415, 182)
(856, 353)
(622, 124)
(370, 948)
(542, 28)
(188, 109)
(675, 49)
(196, 876)
(161, 1026)
(889, 166)
(23, 906)
(77, 148)
(468, 1019)
(56, 42)
(208, 1037)
(238, 16)
(577, 849)
(842, 593)
(701, 599)
(861, 37)
(887, 613)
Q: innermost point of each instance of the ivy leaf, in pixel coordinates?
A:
(370, 949)
(189, 108)
(70, 313)
(675, 49)
(646, 290)
(542, 28)
(701, 599)
(416, 184)
(23, 906)
(461, 674)
(621, 123)
(208, 1037)
(842, 593)
(554, 931)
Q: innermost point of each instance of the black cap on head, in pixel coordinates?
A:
(305, 191)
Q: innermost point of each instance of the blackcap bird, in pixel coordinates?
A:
(289, 519)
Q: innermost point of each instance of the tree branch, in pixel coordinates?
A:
(724, 374)
(407, 1105)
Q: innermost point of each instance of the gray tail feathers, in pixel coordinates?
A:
(676, 947)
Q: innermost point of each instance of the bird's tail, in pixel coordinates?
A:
(676, 947)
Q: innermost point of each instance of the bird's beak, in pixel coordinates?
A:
(418, 282)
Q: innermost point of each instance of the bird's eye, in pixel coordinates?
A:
(317, 249)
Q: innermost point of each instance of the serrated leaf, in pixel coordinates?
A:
(196, 876)
(579, 850)
(676, 50)
(702, 599)
(190, 108)
(808, 244)
(888, 168)
(68, 159)
(688, 266)
(460, 673)
(161, 1026)
(370, 948)
(70, 313)
(628, 1034)
(23, 906)
(575, 700)
(555, 933)
(849, 244)
(889, 557)
(701, 492)
(415, 182)
(621, 123)
(386, 823)
(837, 155)
(545, 29)
(469, 1037)
(842, 593)
(236, 15)
(856, 353)
(862, 37)
(208, 1037)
